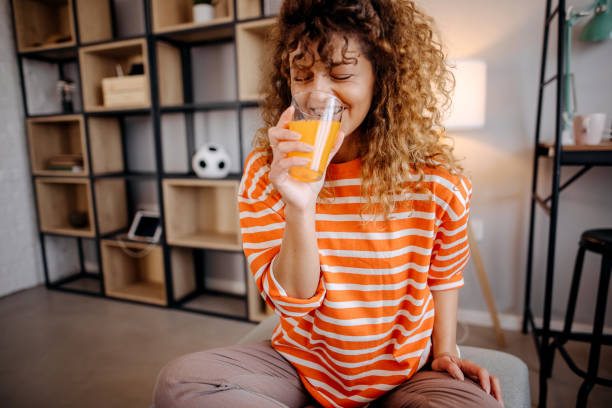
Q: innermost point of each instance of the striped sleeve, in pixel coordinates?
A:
(262, 225)
(451, 250)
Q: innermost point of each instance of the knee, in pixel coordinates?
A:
(166, 392)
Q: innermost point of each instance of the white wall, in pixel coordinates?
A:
(20, 265)
(508, 37)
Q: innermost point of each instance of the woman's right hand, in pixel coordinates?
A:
(299, 195)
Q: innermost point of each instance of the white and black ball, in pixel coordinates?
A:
(211, 161)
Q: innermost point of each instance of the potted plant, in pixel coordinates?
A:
(203, 10)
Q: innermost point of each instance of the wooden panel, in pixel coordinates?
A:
(38, 23)
(94, 18)
(183, 275)
(57, 198)
(170, 76)
(252, 51)
(248, 9)
(129, 275)
(202, 213)
(111, 204)
(105, 139)
(100, 61)
(57, 135)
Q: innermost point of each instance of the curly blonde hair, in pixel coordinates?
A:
(402, 133)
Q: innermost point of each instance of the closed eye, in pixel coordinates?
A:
(342, 77)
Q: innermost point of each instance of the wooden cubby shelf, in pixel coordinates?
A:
(43, 25)
(135, 271)
(58, 198)
(93, 168)
(100, 61)
(202, 213)
(251, 45)
(56, 138)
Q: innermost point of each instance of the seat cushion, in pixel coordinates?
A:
(512, 371)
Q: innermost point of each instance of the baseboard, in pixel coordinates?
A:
(515, 322)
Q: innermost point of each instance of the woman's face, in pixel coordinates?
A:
(352, 82)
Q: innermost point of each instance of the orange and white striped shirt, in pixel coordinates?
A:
(368, 327)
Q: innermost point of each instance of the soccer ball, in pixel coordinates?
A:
(211, 161)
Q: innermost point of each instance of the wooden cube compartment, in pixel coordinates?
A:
(174, 15)
(169, 74)
(99, 62)
(248, 9)
(54, 136)
(135, 271)
(106, 149)
(58, 197)
(202, 213)
(43, 24)
(95, 21)
(251, 46)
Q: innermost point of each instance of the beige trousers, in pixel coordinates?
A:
(255, 375)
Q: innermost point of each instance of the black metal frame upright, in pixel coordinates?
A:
(544, 336)
(69, 54)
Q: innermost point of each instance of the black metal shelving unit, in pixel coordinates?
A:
(225, 32)
(544, 337)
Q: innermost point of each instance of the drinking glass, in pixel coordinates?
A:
(316, 118)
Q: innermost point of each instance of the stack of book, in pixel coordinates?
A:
(66, 162)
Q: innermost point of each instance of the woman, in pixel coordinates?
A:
(363, 266)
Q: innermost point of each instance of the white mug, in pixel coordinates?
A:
(588, 129)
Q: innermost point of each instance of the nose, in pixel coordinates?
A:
(322, 82)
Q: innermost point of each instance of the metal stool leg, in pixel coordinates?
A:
(571, 306)
(600, 311)
(573, 297)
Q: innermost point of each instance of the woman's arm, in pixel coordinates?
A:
(445, 322)
(445, 356)
(297, 268)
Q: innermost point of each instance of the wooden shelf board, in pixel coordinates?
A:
(604, 146)
(217, 303)
(191, 25)
(133, 109)
(77, 232)
(48, 47)
(61, 173)
(117, 48)
(147, 292)
(200, 36)
(207, 240)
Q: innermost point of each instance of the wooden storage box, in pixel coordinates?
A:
(58, 197)
(125, 91)
(202, 213)
(51, 137)
(99, 64)
(173, 15)
(128, 275)
(43, 25)
(251, 46)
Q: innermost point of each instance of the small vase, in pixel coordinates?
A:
(203, 13)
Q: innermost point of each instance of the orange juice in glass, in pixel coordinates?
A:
(317, 118)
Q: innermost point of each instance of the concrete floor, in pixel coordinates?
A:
(65, 350)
